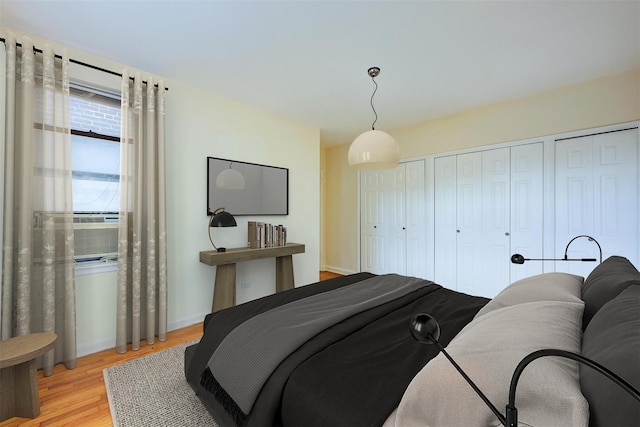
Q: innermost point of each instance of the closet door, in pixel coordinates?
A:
(527, 201)
(469, 258)
(597, 195)
(393, 224)
(486, 204)
(382, 218)
(371, 205)
(495, 242)
(415, 220)
(392, 220)
(445, 219)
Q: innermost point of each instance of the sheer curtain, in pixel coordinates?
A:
(38, 283)
(142, 246)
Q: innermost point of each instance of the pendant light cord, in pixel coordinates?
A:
(372, 107)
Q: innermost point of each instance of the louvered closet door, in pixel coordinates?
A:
(597, 195)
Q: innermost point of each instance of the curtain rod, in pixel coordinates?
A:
(84, 64)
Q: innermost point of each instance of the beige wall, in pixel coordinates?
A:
(340, 212)
(605, 101)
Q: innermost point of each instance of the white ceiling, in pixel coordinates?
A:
(308, 60)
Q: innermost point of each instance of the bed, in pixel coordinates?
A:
(339, 353)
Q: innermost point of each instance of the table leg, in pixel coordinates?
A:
(224, 292)
(284, 273)
(19, 391)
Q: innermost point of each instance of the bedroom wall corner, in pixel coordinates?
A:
(341, 212)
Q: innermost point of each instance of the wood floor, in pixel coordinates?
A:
(78, 397)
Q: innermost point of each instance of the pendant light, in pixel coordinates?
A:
(374, 149)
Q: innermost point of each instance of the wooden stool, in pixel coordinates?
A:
(18, 374)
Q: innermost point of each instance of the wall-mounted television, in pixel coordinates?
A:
(265, 190)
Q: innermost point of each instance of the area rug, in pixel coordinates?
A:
(152, 391)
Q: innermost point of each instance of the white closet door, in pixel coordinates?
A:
(371, 202)
(445, 230)
(393, 226)
(597, 195)
(469, 222)
(479, 198)
(392, 220)
(526, 208)
(415, 219)
(494, 244)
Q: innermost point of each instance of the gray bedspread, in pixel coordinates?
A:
(251, 352)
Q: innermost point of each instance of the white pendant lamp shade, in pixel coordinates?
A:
(374, 150)
(230, 179)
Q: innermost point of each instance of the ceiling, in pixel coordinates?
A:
(308, 60)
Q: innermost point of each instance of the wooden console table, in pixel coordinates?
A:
(18, 375)
(224, 293)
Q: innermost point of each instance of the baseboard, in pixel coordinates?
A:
(187, 321)
(86, 349)
(96, 346)
(338, 270)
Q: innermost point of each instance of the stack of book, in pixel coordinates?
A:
(264, 235)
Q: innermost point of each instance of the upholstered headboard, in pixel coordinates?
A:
(611, 324)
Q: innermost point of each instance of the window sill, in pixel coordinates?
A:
(95, 267)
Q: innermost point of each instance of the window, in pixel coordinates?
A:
(95, 158)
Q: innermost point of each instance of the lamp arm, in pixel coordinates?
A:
(566, 250)
(475, 388)
(512, 412)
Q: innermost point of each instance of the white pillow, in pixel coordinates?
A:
(542, 287)
(488, 350)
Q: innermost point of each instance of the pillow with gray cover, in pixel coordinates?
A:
(542, 287)
(613, 340)
(605, 282)
(488, 349)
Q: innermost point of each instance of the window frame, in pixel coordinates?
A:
(105, 264)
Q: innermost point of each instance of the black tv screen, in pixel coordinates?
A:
(265, 190)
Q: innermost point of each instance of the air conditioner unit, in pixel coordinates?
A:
(95, 235)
